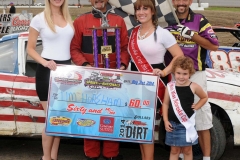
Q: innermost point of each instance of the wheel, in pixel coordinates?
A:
(218, 142)
(218, 139)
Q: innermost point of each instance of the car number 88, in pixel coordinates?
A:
(225, 61)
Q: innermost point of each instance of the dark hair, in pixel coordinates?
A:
(151, 4)
(184, 63)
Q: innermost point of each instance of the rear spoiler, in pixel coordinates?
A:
(233, 30)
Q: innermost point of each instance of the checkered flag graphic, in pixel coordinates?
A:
(125, 9)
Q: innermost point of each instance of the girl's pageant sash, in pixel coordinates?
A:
(189, 123)
(141, 62)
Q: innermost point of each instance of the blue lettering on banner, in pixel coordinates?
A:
(143, 83)
(98, 99)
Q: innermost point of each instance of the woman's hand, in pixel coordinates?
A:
(122, 67)
(159, 72)
(168, 126)
(50, 64)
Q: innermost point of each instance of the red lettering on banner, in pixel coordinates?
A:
(173, 94)
(99, 111)
(139, 58)
(176, 104)
(73, 108)
(110, 111)
(184, 118)
(17, 22)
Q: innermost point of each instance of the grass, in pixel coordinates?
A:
(233, 9)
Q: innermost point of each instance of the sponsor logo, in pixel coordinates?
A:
(142, 117)
(213, 36)
(60, 121)
(106, 124)
(133, 129)
(20, 24)
(210, 31)
(136, 123)
(71, 78)
(99, 80)
(85, 122)
(181, 39)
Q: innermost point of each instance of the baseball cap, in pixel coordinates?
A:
(11, 2)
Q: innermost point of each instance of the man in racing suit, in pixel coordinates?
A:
(195, 36)
(81, 50)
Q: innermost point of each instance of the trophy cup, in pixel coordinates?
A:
(105, 48)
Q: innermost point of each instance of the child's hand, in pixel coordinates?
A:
(194, 107)
(168, 126)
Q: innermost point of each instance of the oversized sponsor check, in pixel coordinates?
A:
(102, 104)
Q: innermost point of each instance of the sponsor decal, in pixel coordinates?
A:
(106, 124)
(72, 78)
(186, 45)
(60, 121)
(133, 129)
(136, 123)
(141, 117)
(182, 39)
(98, 80)
(210, 31)
(213, 36)
(85, 122)
(15, 23)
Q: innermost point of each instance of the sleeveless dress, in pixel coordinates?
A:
(178, 136)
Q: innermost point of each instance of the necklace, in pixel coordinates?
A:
(144, 35)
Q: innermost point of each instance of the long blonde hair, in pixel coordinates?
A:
(64, 11)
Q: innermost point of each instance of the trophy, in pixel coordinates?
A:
(105, 48)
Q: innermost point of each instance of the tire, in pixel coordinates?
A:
(217, 134)
(218, 142)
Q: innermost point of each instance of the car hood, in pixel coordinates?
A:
(224, 77)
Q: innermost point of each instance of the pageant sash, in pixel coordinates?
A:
(141, 62)
(189, 123)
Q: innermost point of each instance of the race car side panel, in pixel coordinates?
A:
(30, 117)
(7, 123)
(225, 58)
(224, 91)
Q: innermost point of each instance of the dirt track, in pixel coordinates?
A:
(226, 19)
(216, 18)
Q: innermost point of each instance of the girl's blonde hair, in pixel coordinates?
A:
(64, 11)
(184, 63)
